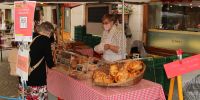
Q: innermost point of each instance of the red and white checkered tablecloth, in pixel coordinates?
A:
(67, 88)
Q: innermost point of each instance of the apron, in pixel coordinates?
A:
(109, 55)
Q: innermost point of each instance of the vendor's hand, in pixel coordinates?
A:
(106, 46)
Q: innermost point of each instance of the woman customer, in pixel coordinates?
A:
(40, 53)
(113, 41)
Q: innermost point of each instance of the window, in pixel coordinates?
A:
(175, 16)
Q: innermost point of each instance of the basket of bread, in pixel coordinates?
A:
(123, 73)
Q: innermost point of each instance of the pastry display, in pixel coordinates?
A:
(119, 72)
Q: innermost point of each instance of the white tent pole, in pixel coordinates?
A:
(123, 30)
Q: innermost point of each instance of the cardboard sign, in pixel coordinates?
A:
(186, 65)
(24, 18)
(23, 63)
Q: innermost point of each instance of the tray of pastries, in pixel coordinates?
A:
(123, 73)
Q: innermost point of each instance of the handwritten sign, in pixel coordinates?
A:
(187, 65)
(23, 22)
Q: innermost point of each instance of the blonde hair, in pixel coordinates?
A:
(45, 27)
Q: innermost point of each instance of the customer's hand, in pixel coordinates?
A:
(106, 46)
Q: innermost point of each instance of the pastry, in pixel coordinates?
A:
(132, 75)
(138, 65)
(128, 63)
(138, 72)
(91, 67)
(113, 70)
(108, 79)
(135, 65)
(122, 76)
(98, 76)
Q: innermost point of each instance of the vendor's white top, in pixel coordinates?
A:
(114, 37)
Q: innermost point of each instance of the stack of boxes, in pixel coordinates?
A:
(87, 38)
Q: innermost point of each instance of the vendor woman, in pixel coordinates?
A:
(113, 41)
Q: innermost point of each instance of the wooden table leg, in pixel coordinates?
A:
(180, 88)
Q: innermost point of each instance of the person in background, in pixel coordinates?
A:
(113, 41)
(40, 53)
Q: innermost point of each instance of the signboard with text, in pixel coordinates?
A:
(24, 18)
(184, 66)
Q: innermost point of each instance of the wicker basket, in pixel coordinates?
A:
(128, 82)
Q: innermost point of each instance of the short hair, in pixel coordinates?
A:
(45, 26)
(110, 17)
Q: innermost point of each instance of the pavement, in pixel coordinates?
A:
(8, 83)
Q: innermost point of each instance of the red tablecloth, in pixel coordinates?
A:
(67, 88)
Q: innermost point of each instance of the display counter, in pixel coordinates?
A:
(67, 88)
(173, 40)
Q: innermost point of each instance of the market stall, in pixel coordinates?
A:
(80, 75)
(75, 80)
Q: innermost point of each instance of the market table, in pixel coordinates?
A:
(67, 88)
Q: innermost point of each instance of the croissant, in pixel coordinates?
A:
(122, 76)
(136, 65)
(113, 70)
(98, 76)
